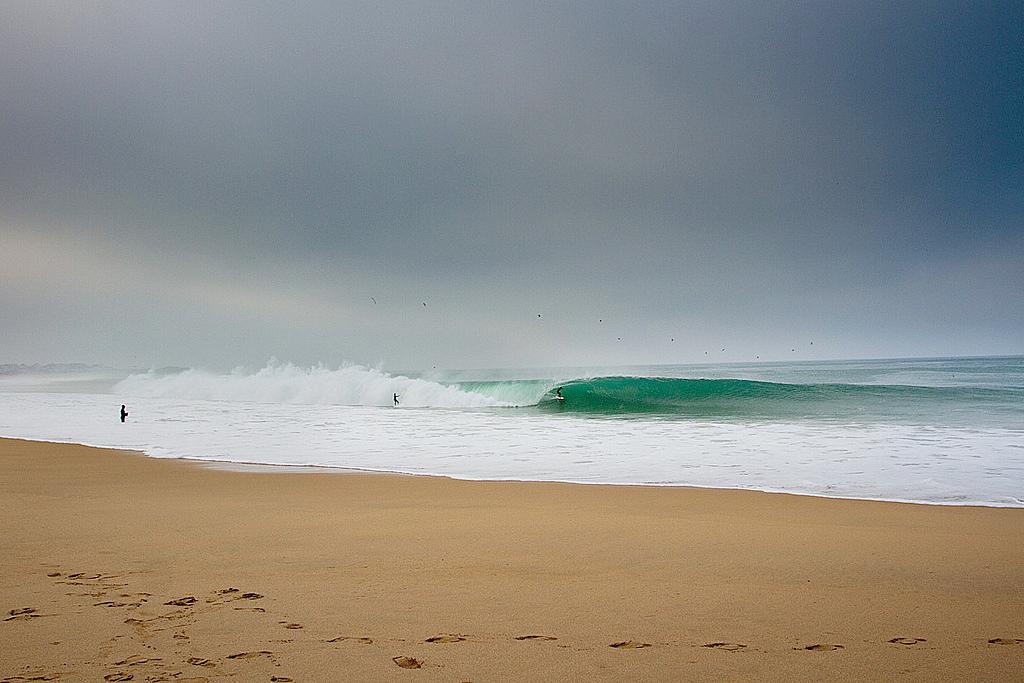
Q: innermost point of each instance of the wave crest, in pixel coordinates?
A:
(353, 385)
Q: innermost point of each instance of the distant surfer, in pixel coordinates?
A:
(124, 412)
(396, 400)
(558, 394)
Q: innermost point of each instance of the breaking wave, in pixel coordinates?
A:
(352, 385)
(356, 385)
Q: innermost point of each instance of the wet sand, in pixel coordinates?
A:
(120, 567)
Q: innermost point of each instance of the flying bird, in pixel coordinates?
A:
(373, 300)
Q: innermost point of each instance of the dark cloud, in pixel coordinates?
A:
(726, 173)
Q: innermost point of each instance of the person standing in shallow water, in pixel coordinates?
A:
(396, 400)
(124, 412)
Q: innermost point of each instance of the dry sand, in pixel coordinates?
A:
(119, 567)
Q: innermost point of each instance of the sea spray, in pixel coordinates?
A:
(352, 385)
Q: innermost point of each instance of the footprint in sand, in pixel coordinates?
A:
(446, 638)
(249, 596)
(906, 641)
(222, 593)
(821, 647)
(280, 679)
(31, 677)
(113, 603)
(290, 625)
(407, 662)
(140, 596)
(728, 647)
(629, 645)
(535, 637)
(1005, 641)
(22, 613)
(357, 639)
(199, 661)
(137, 659)
(181, 602)
(83, 579)
(119, 676)
(249, 609)
(252, 655)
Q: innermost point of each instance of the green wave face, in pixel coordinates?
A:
(713, 398)
(519, 392)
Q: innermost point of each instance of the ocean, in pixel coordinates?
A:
(943, 431)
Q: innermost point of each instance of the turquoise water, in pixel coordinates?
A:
(954, 391)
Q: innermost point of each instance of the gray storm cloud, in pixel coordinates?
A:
(212, 184)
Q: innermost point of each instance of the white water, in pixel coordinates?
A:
(880, 461)
(351, 385)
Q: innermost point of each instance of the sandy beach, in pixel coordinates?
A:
(120, 567)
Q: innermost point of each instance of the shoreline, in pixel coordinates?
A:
(239, 466)
(245, 466)
(136, 565)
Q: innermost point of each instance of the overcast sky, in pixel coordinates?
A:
(217, 183)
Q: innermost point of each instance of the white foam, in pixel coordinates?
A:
(881, 461)
(351, 385)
